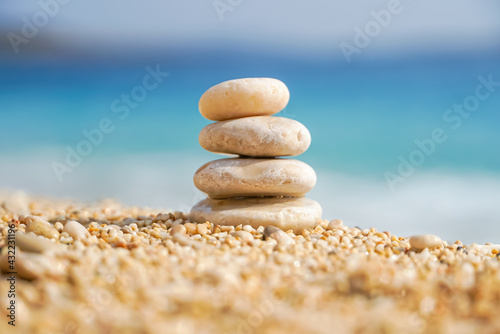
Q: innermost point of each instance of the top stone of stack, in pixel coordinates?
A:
(243, 98)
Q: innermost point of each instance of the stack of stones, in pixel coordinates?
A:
(256, 188)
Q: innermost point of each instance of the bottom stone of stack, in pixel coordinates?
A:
(286, 213)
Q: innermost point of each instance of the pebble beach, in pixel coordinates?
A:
(107, 268)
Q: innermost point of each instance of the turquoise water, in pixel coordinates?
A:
(362, 117)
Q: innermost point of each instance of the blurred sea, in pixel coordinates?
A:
(362, 117)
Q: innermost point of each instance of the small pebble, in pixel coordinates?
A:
(178, 229)
(270, 230)
(191, 228)
(246, 237)
(277, 234)
(76, 230)
(59, 227)
(335, 223)
(226, 228)
(30, 243)
(66, 240)
(202, 229)
(41, 227)
(127, 229)
(421, 242)
(248, 228)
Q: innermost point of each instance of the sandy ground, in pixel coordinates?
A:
(105, 268)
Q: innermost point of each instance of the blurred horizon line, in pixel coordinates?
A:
(45, 50)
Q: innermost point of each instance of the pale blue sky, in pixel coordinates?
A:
(291, 25)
